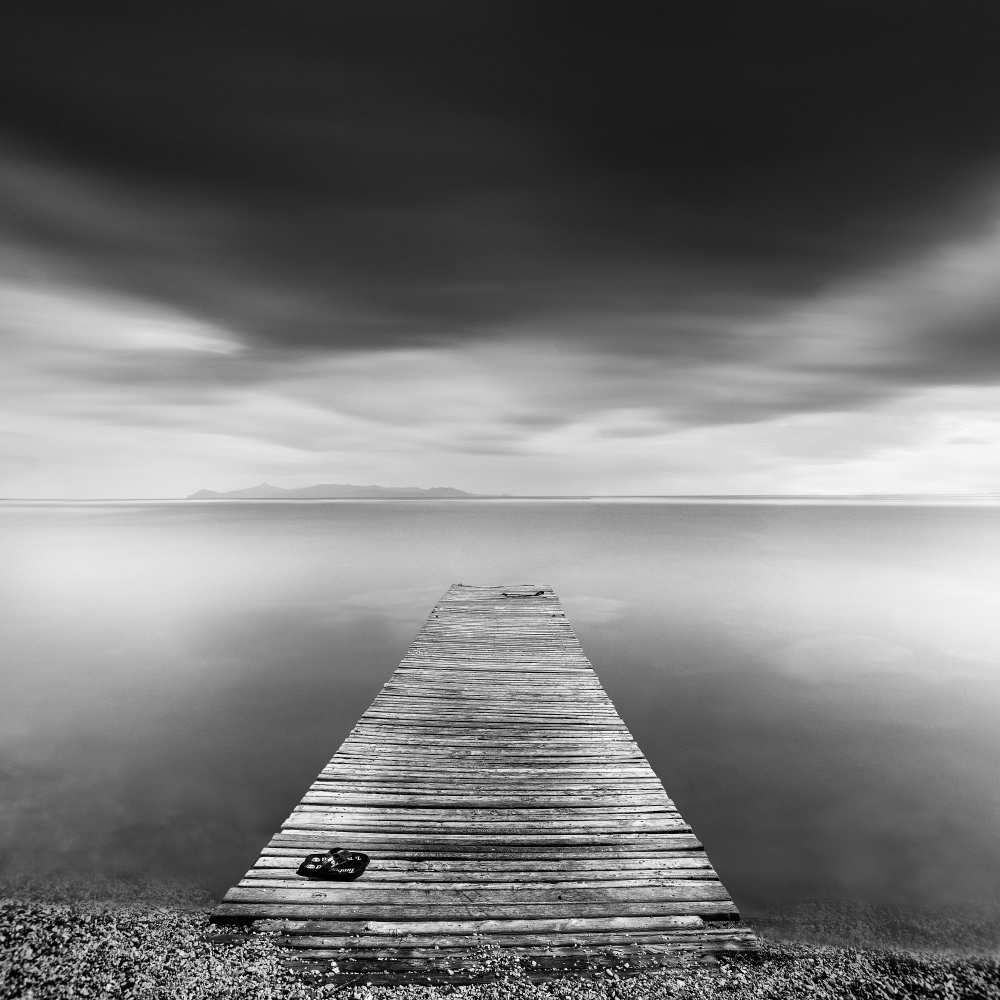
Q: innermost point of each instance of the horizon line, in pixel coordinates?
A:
(966, 495)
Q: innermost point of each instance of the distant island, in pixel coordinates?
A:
(336, 491)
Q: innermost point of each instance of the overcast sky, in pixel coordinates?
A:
(505, 247)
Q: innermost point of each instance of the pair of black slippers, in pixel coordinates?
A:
(335, 865)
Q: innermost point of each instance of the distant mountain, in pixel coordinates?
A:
(335, 491)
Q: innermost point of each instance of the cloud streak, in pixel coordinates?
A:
(507, 249)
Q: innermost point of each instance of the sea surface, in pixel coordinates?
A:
(817, 685)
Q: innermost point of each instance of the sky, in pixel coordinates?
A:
(511, 247)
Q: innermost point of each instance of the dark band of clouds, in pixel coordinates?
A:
(668, 188)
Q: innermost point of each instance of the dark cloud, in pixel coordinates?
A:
(408, 174)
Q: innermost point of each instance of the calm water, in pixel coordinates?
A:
(818, 686)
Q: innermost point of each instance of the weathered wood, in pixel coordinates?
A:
(375, 931)
(502, 800)
(550, 882)
(455, 846)
(403, 913)
(386, 868)
(457, 895)
(286, 878)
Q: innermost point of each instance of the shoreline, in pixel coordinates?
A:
(130, 947)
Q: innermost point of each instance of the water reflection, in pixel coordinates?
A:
(817, 686)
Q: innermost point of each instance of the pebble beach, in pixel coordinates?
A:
(52, 950)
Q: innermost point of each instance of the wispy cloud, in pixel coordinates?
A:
(329, 250)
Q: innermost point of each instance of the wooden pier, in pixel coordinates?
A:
(503, 802)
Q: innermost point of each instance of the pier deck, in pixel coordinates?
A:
(502, 801)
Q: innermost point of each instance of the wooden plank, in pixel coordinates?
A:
(477, 910)
(282, 858)
(443, 894)
(671, 887)
(513, 925)
(286, 877)
(501, 798)
(418, 847)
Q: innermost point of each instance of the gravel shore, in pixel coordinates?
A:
(69, 950)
